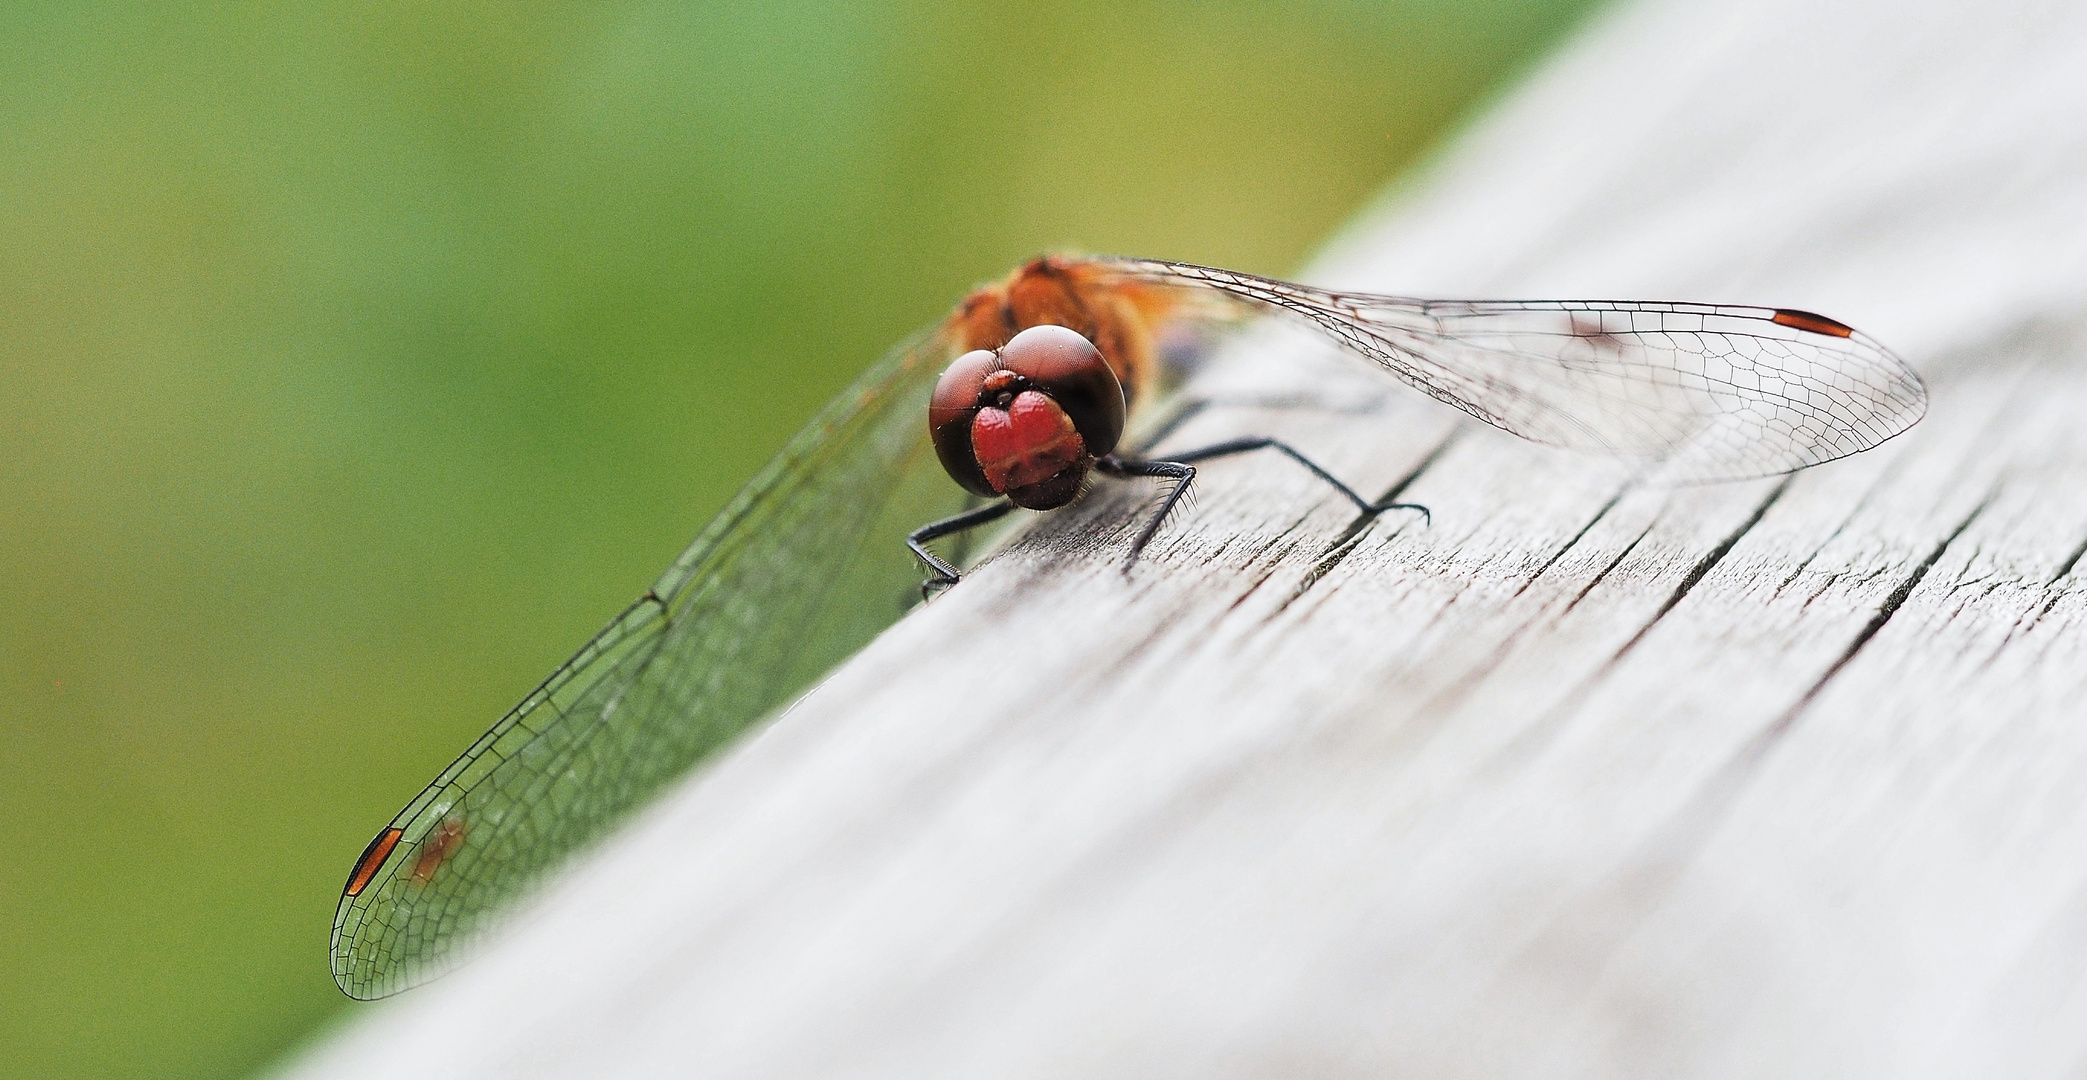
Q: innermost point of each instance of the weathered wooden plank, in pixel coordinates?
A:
(1585, 778)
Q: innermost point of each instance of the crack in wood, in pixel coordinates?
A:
(1332, 558)
(1604, 572)
(1242, 598)
(2056, 594)
(1443, 702)
(1761, 742)
(1291, 530)
(1702, 569)
(1630, 895)
(1574, 540)
(1860, 503)
(1538, 733)
(2071, 561)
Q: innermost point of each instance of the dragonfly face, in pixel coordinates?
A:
(1029, 419)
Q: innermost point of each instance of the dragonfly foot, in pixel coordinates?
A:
(943, 574)
(1426, 519)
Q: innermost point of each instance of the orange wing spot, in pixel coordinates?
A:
(1817, 324)
(373, 857)
(441, 842)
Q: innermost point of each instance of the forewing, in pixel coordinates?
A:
(803, 568)
(1690, 392)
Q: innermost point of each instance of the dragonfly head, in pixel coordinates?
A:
(1028, 419)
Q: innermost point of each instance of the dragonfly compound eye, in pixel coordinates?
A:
(1071, 371)
(950, 413)
(1027, 421)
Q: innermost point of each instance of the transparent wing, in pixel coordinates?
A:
(1691, 392)
(802, 568)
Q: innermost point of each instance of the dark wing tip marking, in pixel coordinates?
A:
(373, 857)
(1817, 324)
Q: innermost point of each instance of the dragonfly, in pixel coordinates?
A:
(1018, 397)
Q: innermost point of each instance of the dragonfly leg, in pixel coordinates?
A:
(945, 575)
(1179, 467)
(1242, 446)
(1181, 472)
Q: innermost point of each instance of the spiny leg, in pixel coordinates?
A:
(1181, 472)
(1178, 467)
(946, 575)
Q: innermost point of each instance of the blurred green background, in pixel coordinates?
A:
(359, 359)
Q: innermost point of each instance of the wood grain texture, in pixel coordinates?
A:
(1780, 778)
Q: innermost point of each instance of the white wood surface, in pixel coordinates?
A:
(1782, 778)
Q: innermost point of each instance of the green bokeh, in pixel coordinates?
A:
(357, 360)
